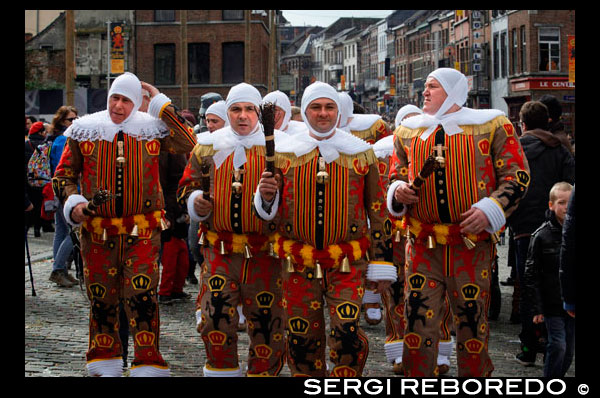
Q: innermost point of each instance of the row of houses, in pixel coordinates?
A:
(508, 56)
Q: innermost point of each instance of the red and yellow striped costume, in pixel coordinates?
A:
(482, 161)
(231, 278)
(326, 223)
(118, 265)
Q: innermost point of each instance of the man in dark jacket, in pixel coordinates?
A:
(549, 163)
(541, 285)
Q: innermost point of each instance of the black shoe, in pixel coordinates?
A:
(525, 357)
(165, 299)
(192, 279)
(37, 233)
(180, 296)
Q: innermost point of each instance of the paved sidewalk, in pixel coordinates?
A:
(56, 330)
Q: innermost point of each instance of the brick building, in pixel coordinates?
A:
(216, 52)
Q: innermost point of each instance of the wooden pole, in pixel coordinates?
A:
(70, 57)
(247, 45)
(184, 60)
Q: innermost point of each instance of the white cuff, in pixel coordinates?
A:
(393, 351)
(390, 198)
(493, 212)
(106, 367)
(157, 103)
(258, 202)
(149, 371)
(222, 373)
(371, 297)
(190, 207)
(382, 271)
(71, 202)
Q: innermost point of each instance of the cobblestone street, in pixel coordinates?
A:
(56, 330)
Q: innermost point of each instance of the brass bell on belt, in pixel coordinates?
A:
(134, 231)
(495, 237)
(430, 242)
(318, 271)
(345, 267)
(120, 158)
(223, 252)
(289, 264)
(468, 242)
(236, 186)
(104, 235)
(322, 175)
(247, 252)
(202, 239)
(163, 224)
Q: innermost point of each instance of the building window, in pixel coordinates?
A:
(549, 42)
(496, 56)
(198, 63)
(233, 15)
(233, 62)
(523, 49)
(164, 64)
(515, 52)
(503, 54)
(164, 15)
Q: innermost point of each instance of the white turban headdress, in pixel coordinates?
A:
(281, 100)
(313, 92)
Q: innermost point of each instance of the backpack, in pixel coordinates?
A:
(39, 172)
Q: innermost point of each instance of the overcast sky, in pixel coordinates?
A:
(325, 18)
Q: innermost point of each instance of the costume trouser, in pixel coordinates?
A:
(175, 264)
(306, 340)
(393, 302)
(123, 267)
(228, 280)
(465, 276)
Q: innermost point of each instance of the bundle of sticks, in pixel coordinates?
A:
(267, 119)
(100, 197)
(430, 165)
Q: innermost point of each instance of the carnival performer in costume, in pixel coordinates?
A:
(234, 243)
(283, 114)
(118, 150)
(452, 218)
(369, 127)
(330, 185)
(393, 298)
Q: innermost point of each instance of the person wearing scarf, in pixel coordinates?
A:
(235, 244)
(369, 127)
(393, 298)
(452, 219)
(283, 115)
(324, 238)
(118, 150)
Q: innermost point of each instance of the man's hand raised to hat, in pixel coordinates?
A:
(150, 88)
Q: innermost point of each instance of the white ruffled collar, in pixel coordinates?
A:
(226, 141)
(384, 147)
(451, 122)
(99, 126)
(361, 122)
(302, 143)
